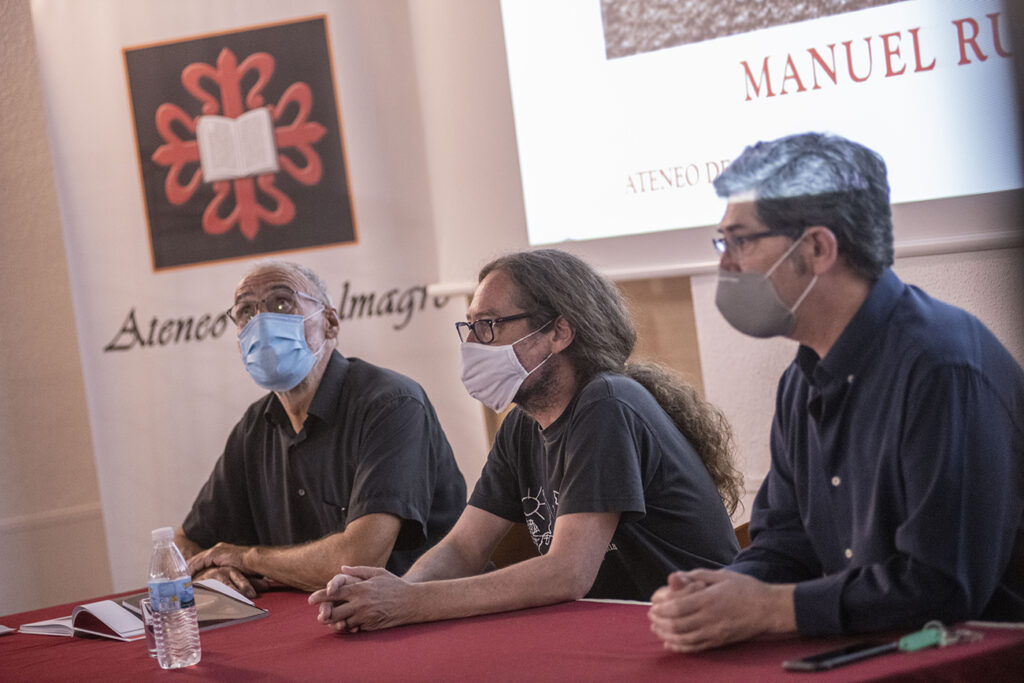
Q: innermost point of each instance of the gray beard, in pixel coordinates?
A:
(539, 390)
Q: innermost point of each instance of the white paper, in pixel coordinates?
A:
(113, 615)
(61, 626)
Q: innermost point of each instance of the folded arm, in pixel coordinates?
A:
(464, 551)
(437, 587)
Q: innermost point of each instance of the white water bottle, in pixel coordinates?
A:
(175, 627)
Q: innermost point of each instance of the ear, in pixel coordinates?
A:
(333, 323)
(563, 334)
(822, 249)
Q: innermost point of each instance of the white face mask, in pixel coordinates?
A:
(493, 374)
(750, 303)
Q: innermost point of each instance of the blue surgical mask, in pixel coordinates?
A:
(275, 352)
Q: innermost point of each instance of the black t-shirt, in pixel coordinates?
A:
(371, 444)
(613, 450)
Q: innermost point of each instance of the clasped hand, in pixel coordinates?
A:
(703, 609)
(363, 599)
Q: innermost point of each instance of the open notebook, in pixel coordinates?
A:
(120, 618)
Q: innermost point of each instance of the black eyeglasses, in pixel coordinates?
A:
(281, 299)
(483, 329)
(734, 244)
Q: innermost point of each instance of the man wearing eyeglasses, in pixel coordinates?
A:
(341, 463)
(896, 489)
(618, 470)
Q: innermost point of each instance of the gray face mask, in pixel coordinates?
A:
(749, 302)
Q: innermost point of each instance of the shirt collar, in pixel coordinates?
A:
(844, 359)
(327, 396)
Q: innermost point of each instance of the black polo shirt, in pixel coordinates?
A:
(371, 443)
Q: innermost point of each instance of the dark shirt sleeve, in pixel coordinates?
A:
(221, 511)
(496, 491)
(959, 519)
(602, 470)
(396, 473)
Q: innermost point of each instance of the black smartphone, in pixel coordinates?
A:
(823, 661)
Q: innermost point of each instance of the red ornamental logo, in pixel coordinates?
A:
(248, 157)
(229, 147)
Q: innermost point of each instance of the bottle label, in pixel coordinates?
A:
(171, 595)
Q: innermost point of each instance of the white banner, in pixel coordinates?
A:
(155, 252)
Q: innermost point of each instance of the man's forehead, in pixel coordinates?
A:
(739, 213)
(263, 280)
(493, 296)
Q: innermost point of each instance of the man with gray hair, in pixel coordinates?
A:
(343, 462)
(896, 488)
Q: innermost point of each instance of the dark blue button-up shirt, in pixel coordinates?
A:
(896, 487)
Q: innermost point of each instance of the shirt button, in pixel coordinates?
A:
(849, 379)
(302, 492)
(848, 553)
(835, 481)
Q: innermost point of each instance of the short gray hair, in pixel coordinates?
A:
(319, 288)
(819, 179)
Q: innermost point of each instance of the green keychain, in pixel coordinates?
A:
(935, 634)
(929, 636)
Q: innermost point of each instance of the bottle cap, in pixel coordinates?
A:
(164, 533)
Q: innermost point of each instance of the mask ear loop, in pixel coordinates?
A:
(318, 311)
(782, 258)
(804, 295)
(530, 372)
(527, 336)
(546, 358)
(323, 307)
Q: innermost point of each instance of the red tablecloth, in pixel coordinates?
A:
(581, 641)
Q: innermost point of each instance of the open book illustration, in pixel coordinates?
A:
(120, 618)
(236, 148)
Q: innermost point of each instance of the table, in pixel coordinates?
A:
(577, 641)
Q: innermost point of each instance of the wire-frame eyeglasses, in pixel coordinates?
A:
(281, 299)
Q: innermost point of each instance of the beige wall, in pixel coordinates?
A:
(52, 544)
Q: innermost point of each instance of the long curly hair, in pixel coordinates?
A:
(701, 422)
(551, 283)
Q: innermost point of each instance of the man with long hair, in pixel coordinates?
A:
(620, 471)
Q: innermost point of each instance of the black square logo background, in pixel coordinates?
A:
(323, 212)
